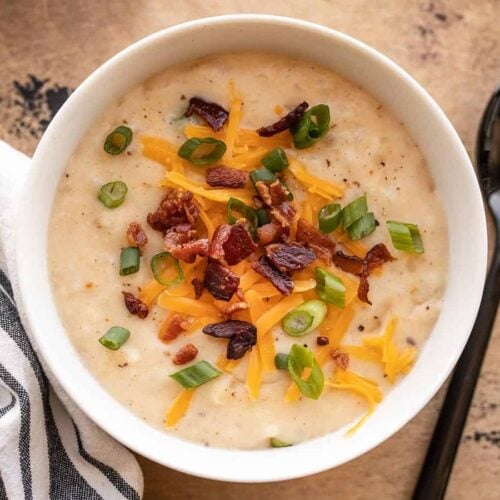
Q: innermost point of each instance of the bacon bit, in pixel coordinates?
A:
(185, 354)
(290, 257)
(214, 114)
(226, 177)
(278, 193)
(173, 327)
(220, 281)
(257, 202)
(264, 193)
(135, 305)
(136, 236)
(189, 251)
(319, 243)
(322, 340)
(270, 233)
(179, 235)
(231, 243)
(229, 309)
(282, 282)
(288, 121)
(177, 207)
(284, 214)
(242, 335)
(375, 257)
(340, 358)
(198, 287)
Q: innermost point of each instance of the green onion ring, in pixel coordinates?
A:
(275, 160)
(329, 217)
(129, 260)
(159, 263)
(298, 359)
(405, 236)
(313, 125)
(329, 287)
(189, 148)
(115, 337)
(113, 194)
(118, 140)
(195, 375)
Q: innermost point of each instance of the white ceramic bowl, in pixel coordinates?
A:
(429, 127)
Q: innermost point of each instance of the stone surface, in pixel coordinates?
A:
(451, 47)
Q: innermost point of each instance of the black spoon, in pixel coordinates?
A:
(448, 431)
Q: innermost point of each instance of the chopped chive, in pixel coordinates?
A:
(163, 261)
(113, 194)
(354, 211)
(202, 151)
(195, 375)
(298, 359)
(275, 160)
(129, 260)
(262, 216)
(248, 213)
(362, 227)
(118, 140)
(281, 361)
(313, 125)
(405, 236)
(304, 318)
(329, 287)
(115, 337)
(277, 443)
(262, 174)
(329, 217)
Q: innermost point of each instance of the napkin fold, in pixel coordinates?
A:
(48, 448)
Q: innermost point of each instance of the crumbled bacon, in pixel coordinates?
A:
(188, 251)
(282, 282)
(278, 193)
(284, 123)
(364, 286)
(319, 243)
(348, 263)
(271, 233)
(214, 114)
(136, 236)
(231, 243)
(135, 305)
(264, 193)
(173, 327)
(198, 287)
(226, 177)
(377, 256)
(227, 310)
(179, 235)
(340, 358)
(177, 207)
(220, 281)
(291, 257)
(284, 213)
(242, 335)
(185, 354)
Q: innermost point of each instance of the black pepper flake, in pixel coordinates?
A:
(382, 163)
(322, 340)
(361, 328)
(328, 162)
(122, 365)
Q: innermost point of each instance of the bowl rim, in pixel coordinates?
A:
(259, 460)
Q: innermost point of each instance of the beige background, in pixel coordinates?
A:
(451, 47)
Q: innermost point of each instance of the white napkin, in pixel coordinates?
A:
(48, 447)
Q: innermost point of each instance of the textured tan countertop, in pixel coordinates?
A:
(451, 47)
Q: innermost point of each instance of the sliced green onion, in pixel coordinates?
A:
(298, 359)
(129, 260)
(113, 194)
(262, 174)
(362, 227)
(195, 375)
(277, 443)
(163, 262)
(329, 287)
(405, 236)
(262, 216)
(288, 193)
(281, 361)
(329, 217)
(115, 337)
(304, 318)
(202, 150)
(235, 205)
(354, 211)
(275, 160)
(313, 125)
(118, 140)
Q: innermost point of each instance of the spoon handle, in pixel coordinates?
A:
(441, 453)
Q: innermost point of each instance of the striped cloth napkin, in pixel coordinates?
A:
(48, 448)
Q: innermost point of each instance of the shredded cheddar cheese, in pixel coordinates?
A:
(179, 407)
(321, 187)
